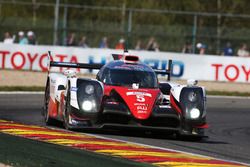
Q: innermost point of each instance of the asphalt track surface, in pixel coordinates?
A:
(229, 131)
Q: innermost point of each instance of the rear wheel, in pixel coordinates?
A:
(47, 119)
(190, 138)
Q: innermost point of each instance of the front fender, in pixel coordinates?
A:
(187, 98)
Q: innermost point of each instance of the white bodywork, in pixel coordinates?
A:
(57, 79)
(73, 99)
(177, 88)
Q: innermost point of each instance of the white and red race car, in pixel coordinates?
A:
(125, 94)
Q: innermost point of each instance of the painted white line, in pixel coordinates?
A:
(167, 149)
(21, 92)
(228, 97)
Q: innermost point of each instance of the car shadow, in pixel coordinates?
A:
(165, 135)
(151, 135)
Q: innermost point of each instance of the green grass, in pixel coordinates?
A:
(22, 152)
(41, 88)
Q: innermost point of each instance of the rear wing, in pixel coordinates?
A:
(97, 66)
(167, 71)
(51, 63)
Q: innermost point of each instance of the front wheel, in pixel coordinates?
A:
(47, 119)
(67, 109)
(199, 136)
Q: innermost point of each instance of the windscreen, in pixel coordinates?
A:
(122, 77)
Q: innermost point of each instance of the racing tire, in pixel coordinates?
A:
(67, 111)
(190, 138)
(47, 119)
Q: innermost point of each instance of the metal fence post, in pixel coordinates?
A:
(0, 9)
(34, 13)
(218, 49)
(55, 39)
(65, 25)
(194, 33)
(123, 25)
(130, 14)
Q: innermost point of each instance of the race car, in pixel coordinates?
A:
(126, 93)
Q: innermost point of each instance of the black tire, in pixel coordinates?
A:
(190, 138)
(67, 110)
(194, 138)
(47, 119)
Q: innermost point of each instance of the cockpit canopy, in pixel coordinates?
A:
(119, 73)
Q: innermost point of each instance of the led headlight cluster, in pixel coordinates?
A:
(192, 96)
(192, 102)
(89, 89)
(194, 113)
(89, 95)
(87, 105)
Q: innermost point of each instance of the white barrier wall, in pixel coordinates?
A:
(185, 66)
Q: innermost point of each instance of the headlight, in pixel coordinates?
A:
(192, 96)
(87, 105)
(194, 113)
(89, 89)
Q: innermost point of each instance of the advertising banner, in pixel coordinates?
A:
(185, 66)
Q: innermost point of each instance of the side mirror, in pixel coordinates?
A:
(192, 82)
(70, 73)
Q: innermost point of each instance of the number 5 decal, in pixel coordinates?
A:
(140, 98)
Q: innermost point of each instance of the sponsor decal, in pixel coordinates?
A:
(139, 96)
(142, 104)
(209, 68)
(177, 66)
(141, 112)
(231, 72)
(53, 81)
(164, 106)
(74, 89)
(141, 107)
(139, 93)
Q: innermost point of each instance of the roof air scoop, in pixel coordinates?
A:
(126, 57)
(130, 58)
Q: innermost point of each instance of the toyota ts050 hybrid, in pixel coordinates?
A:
(125, 94)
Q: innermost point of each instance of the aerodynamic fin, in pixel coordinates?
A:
(167, 71)
(117, 56)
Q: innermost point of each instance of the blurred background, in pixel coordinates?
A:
(173, 24)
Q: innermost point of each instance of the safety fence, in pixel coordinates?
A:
(170, 28)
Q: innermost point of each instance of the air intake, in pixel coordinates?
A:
(131, 59)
